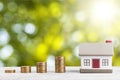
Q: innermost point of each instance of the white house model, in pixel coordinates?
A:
(96, 57)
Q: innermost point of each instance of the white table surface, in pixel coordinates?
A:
(72, 73)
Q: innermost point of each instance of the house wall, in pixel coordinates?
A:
(96, 57)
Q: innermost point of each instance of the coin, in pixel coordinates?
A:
(9, 71)
(41, 67)
(25, 69)
(59, 64)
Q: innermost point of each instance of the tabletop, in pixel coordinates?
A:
(72, 73)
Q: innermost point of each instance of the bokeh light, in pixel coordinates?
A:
(80, 16)
(103, 11)
(12, 6)
(6, 52)
(30, 28)
(17, 28)
(51, 61)
(1, 64)
(4, 36)
(1, 6)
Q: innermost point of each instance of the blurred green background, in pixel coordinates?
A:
(38, 30)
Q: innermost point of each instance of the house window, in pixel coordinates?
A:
(86, 62)
(105, 62)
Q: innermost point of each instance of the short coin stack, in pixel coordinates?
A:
(25, 69)
(10, 71)
(59, 64)
(41, 67)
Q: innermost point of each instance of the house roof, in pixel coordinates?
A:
(96, 49)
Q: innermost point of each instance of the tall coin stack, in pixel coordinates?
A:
(41, 67)
(59, 64)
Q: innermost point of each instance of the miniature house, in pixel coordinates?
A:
(96, 57)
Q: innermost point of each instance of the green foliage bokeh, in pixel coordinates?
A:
(57, 31)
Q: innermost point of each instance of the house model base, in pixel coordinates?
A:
(96, 70)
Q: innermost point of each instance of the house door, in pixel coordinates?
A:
(95, 63)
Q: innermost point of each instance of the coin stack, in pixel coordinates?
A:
(59, 64)
(41, 67)
(9, 71)
(25, 69)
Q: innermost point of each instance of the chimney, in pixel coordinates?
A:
(108, 41)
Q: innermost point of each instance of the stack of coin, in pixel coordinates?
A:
(10, 71)
(25, 69)
(41, 67)
(59, 64)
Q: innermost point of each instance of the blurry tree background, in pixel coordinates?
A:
(39, 30)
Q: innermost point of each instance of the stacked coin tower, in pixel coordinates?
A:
(59, 64)
(41, 67)
(25, 69)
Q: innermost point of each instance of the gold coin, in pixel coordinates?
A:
(59, 64)
(25, 69)
(9, 71)
(41, 67)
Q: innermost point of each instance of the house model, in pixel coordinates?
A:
(96, 57)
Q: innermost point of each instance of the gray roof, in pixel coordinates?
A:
(96, 49)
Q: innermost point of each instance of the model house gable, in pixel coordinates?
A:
(96, 49)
